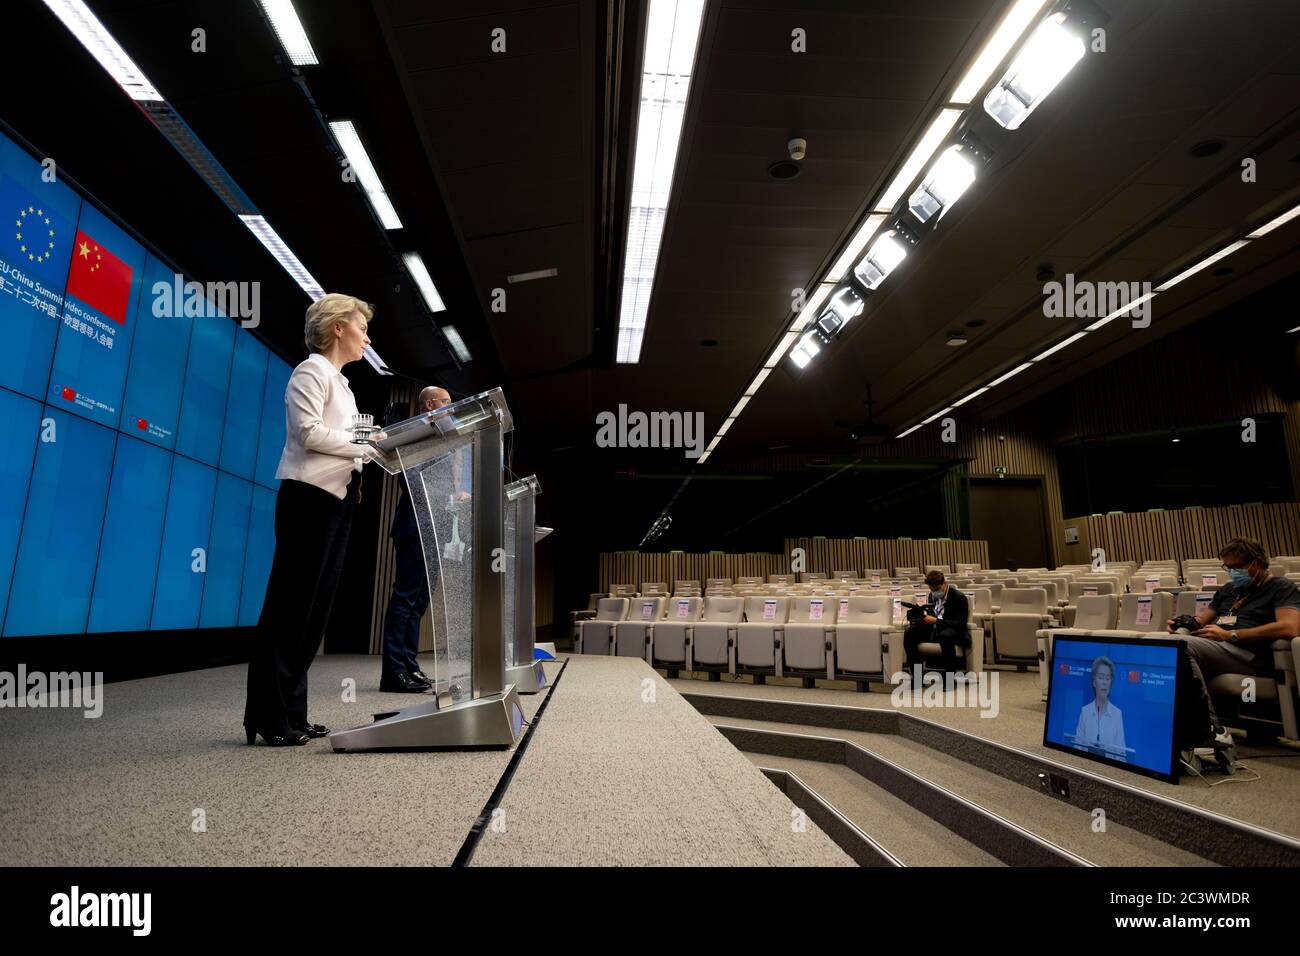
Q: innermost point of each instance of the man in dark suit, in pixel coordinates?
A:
(410, 597)
(945, 627)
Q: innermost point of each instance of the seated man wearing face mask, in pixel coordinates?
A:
(1243, 620)
(946, 627)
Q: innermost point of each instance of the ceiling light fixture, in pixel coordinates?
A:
(457, 343)
(884, 257)
(853, 251)
(269, 238)
(290, 31)
(948, 178)
(1203, 264)
(672, 33)
(1058, 346)
(1050, 53)
(530, 276)
(1122, 310)
(94, 36)
(1008, 32)
(1272, 224)
(916, 161)
(345, 134)
(811, 305)
(782, 347)
(423, 281)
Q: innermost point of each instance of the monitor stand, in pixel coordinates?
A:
(493, 721)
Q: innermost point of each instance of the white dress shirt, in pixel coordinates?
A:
(318, 410)
(1104, 730)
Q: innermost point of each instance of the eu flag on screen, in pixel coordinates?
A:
(38, 221)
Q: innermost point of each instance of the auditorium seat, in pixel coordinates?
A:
(1201, 578)
(810, 576)
(1094, 612)
(713, 637)
(780, 579)
(654, 588)
(671, 637)
(693, 584)
(845, 575)
(908, 573)
(717, 582)
(942, 568)
(967, 568)
(1188, 601)
(1279, 690)
(864, 627)
(758, 638)
(808, 644)
(632, 635)
(1130, 605)
(1146, 582)
(594, 636)
(750, 581)
(1023, 612)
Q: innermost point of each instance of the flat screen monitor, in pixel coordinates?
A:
(1115, 700)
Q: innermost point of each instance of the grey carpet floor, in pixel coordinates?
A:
(607, 779)
(623, 772)
(1269, 802)
(123, 789)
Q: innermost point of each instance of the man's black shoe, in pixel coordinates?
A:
(403, 684)
(421, 675)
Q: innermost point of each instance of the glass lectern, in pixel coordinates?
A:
(522, 669)
(452, 462)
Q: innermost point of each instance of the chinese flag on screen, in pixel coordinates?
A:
(1134, 677)
(99, 278)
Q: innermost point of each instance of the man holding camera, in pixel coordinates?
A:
(945, 625)
(1243, 620)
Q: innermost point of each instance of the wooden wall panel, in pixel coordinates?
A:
(1188, 533)
(822, 554)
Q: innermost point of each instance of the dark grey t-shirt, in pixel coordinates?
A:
(1259, 607)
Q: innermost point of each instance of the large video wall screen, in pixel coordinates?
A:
(138, 488)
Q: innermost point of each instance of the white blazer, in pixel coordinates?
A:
(1105, 730)
(318, 410)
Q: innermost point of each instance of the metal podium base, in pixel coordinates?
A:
(527, 678)
(487, 722)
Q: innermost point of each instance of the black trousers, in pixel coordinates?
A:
(948, 636)
(406, 605)
(311, 539)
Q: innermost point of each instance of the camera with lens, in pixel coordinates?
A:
(1186, 624)
(916, 613)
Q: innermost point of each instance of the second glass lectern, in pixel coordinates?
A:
(522, 669)
(452, 462)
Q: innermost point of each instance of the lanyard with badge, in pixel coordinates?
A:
(1229, 620)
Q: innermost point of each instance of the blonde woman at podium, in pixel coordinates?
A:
(320, 485)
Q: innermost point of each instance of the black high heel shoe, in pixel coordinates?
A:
(294, 738)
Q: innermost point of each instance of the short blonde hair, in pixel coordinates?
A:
(325, 311)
